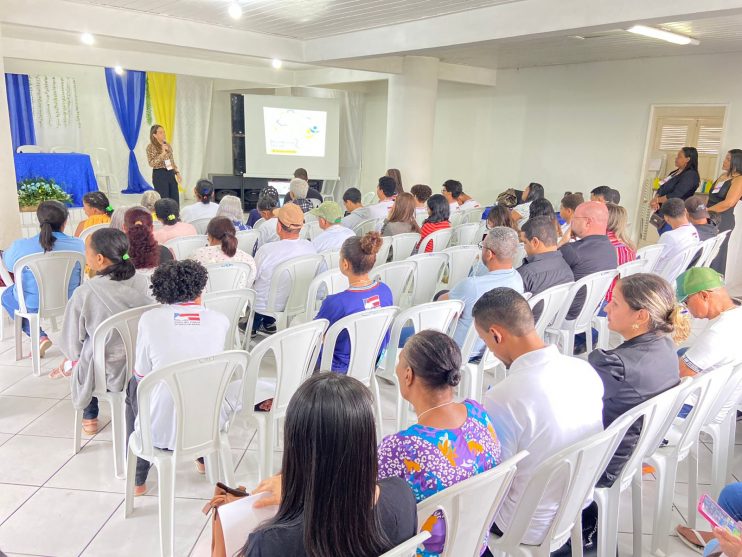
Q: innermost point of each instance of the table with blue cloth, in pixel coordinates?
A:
(73, 172)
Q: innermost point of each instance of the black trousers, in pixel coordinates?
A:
(165, 183)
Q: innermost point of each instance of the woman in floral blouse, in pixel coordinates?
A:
(222, 248)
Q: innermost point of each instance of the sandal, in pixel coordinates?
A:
(59, 372)
(140, 490)
(694, 539)
(90, 427)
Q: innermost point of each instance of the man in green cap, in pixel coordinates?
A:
(329, 214)
(702, 291)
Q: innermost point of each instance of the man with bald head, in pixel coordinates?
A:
(593, 251)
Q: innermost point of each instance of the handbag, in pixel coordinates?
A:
(222, 495)
(657, 221)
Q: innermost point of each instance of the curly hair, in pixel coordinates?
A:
(143, 248)
(175, 282)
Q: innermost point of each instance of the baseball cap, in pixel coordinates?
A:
(290, 215)
(696, 207)
(696, 280)
(330, 211)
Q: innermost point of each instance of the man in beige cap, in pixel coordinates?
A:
(329, 214)
(289, 220)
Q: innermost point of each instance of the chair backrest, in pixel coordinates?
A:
(258, 223)
(396, 275)
(246, 240)
(366, 330)
(634, 267)
(369, 198)
(428, 270)
(678, 263)
(461, 259)
(366, 226)
(5, 275)
(455, 218)
(333, 282)
(439, 239)
(310, 230)
(232, 304)
(519, 255)
(228, 276)
(704, 250)
(469, 507)
(720, 237)
(465, 235)
(201, 224)
(332, 259)
(126, 325)
(551, 301)
(90, 229)
(295, 350)
(184, 246)
(652, 253)
(383, 253)
(403, 245)
(61, 149)
(294, 276)
(102, 161)
(472, 215)
(408, 548)
(728, 397)
(52, 272)
(198, 387)
(596, 286)
(29, 149)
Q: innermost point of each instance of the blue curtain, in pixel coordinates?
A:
(19, 109)
(127, 98)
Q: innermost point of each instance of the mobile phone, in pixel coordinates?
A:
(717, 517)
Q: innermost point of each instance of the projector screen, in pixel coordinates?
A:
(285, 133)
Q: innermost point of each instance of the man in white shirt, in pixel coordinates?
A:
(353, 206)
(386, 191)
(289, 220)
(329, 214)
(682, 236)
(453, 191)
(547, 402)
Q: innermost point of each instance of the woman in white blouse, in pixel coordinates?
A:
(222, 248)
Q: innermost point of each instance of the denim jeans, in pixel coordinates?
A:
(91, 410)
(131, 414)
(11, 305)
(261, 319)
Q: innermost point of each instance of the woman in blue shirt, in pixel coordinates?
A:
(357, 258)
(52, 217)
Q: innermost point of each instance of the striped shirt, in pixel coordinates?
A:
(624, 253)
(429, 228)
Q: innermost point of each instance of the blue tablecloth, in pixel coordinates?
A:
(72, 171)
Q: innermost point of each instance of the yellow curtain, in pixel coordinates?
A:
(162, 96)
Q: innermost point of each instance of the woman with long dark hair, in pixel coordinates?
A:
(681, 182)
(397, 175)
(146, 254)
(438, 212)
(543, 208)
(168, 213)
(521, 213)
(401, 218)
(330, 501)
(115, 288)
(222, 248)
(97, 208)
(52, 217)
(723, 198)
(165, 174)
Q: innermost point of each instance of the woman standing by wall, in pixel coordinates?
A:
(723, 198)
(165, 175)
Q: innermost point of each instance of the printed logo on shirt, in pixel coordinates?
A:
(372, 302)
(181, 318)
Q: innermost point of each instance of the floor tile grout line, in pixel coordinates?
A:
(201, 533)
(101, 528)
(26, 500)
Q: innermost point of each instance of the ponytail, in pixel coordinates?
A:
(52, 215)
(681, 324)
(204, 191)
(114, 246)
(222, 229)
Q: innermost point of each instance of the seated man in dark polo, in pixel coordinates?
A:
(544, 265)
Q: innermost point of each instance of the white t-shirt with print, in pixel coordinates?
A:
(717, 346)
(267, 258)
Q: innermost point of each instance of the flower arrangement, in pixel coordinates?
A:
(33, 191)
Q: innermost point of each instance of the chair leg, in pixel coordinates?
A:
(576, 536)
(732, 445)
(265, 438)
(212, 464)
(118, 436)
(77, 443)
(720, 455)
(636, 510)
(226, 462)
(607, 500)
(17, 323)
(131, 472)
(377, 408)
(692, 485)
(666, 470)
(166, 481)
(35, 356)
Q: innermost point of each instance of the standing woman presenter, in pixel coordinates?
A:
(165, 175)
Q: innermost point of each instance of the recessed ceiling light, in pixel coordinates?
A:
(235, 10)
(119, 70)
(662, 35)
(87, 39)
(276, 63)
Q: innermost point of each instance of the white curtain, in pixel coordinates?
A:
(55, 111)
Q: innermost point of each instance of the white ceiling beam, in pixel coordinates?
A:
(467, 74)
(327, 76)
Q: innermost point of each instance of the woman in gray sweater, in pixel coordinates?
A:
(115, 288)
(402, 217)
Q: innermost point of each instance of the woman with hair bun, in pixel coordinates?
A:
(450, 442)
(222, 248)
(146, 254)
(204, 206)
(98, 209)
(115, 288)
(357, 258)
(168, 214)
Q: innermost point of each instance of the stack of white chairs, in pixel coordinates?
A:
(201, 224)
(293, 276)
(651, 253)
(185, 246)
(403, 245)
(90, 229)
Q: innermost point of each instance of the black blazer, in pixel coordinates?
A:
(682, 184)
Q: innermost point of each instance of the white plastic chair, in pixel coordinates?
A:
(369, 198)
(295, 351)
(472, 215)
(702, 391)
(519, 256)
(383, 253)
(228, 276)
(124, 324)
(102, 165)
(293, 276)
(61, 149)
(472, 373)
(185, 246)
(366, 330)
(634, 267)
(233, 304)
(29, 149)
(720, 237)
(201, 224)
(403, 245)
(198, 387)
(52, 272)
(5, 319)
(677, 264)
(551, 301)
(469, 507)
(258, 223)
(408, 548)
(323, 285)
(310, 230)
(564, 330)
(455, 218)
(652, 253)
(575, 470)
(429, 269)
(332, 259)
(246, 240)
(704, 250)
(465, 235)
(461, 260)
(366, 226)
(439, 239)
(396, 275)
(90, 229)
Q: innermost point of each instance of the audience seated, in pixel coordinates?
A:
(544, 265)
(168, 214)
(146, 254)
(230, 206)
(498, 215)
(222, 248)
(117, 218)
(450, 442)
(453, 191)
(353, 208)
(438, 213)
(567, 209)
(256, 214)
(312, 193)
(720, 542)
(521, 213)
(401, 219)
(180, 329)
(267, 206)
(386, 192)
(288, 222)
(329, 215)
(330, 500)
(357, 258)
(397, 175)
(97, 208)
(204, 208)
(605, 194)
(702, 291)
(699, 217)
(115, 288)
(682, 234)
(617, 233)
(547, 402)
(544, 208)
(52, 217)
(298, 190)
(421, 193)
(149, 198)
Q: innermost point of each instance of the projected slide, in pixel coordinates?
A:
(295, 132)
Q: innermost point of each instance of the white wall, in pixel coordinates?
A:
(374, 137)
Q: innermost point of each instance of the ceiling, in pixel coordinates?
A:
(717, 35)
(301, 19)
